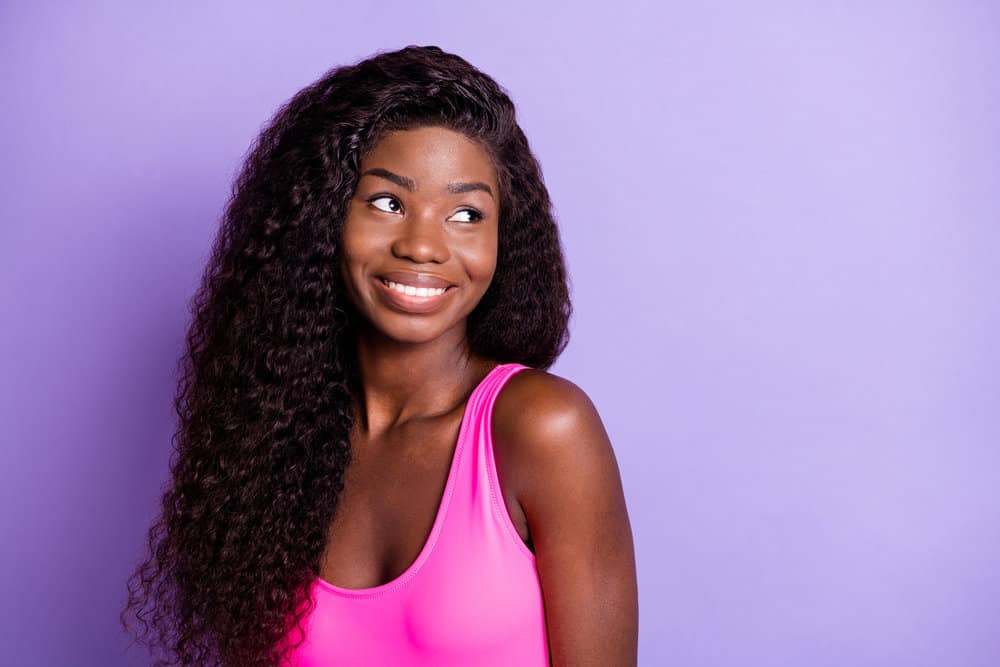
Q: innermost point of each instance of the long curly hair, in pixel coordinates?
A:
(269, 371)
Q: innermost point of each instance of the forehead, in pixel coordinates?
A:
(432, 155)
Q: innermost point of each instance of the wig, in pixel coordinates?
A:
(269, 369)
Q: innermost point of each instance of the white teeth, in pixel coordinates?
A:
(410, 290)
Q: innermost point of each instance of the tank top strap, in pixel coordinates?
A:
(498, 378)
(482, 411)
(478, 510)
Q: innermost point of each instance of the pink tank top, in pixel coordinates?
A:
(472, 597)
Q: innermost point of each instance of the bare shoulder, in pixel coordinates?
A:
(537, 407)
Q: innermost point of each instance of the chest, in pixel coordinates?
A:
(392, 495)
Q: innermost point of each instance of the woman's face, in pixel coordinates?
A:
(424, 216)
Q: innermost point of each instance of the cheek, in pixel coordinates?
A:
(488, 261)
(478, 257)
(349, 235)
(356, 245)
(487, 270)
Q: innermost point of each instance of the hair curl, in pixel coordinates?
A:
(266, 381)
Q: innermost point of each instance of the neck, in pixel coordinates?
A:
(402, 381)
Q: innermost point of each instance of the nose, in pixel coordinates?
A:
(422, 237)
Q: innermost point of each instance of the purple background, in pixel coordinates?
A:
(781, 224)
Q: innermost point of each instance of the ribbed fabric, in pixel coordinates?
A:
(472, 597)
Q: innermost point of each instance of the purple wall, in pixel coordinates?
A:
(782, 225)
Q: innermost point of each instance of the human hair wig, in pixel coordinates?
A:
(269, 371)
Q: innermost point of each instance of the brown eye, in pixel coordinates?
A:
(387, 210)
(474, 215)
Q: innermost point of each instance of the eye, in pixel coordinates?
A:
(474, 215)
(390, 198)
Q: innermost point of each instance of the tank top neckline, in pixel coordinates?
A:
(442, 510)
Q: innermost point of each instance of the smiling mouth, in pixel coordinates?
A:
(414, 300)
(423, 293)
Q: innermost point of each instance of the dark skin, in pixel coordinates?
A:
(558, 474)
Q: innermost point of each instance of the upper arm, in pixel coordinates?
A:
(568, 484)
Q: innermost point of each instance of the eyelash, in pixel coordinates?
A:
(476, 215)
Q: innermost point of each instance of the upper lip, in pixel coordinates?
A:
(416, 279)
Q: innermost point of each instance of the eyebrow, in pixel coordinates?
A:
(404, 182)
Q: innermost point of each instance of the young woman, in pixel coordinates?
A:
(374, 466)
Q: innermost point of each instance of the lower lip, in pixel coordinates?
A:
(413, 304)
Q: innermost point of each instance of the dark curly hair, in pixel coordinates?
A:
(269, 371)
